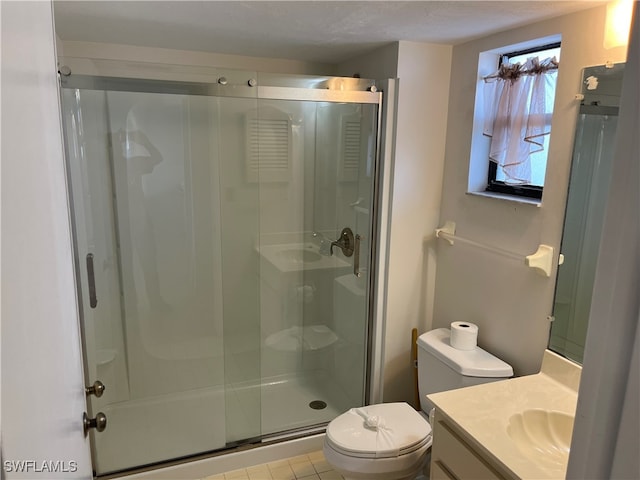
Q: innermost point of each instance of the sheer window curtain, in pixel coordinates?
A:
(518, 107)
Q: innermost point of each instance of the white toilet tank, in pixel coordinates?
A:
(441, 367)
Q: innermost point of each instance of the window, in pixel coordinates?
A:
(519, 99)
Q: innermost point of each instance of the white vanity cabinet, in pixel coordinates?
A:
(452, 458)
(477, 430)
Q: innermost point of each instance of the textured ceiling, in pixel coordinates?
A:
(317, 31)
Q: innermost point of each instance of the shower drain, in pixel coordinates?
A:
(318, 404)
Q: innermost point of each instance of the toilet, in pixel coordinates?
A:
(391, 441)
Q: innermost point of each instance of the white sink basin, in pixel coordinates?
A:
(543, 436)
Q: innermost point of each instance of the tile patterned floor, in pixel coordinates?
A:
(308, 467)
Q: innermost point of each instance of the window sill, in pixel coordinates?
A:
(509, 198)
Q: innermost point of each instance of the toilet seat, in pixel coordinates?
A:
(387, 430)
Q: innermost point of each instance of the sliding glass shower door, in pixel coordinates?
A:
(313, 295)
(145, 189)
(215, 308)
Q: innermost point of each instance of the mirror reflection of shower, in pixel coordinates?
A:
(588, 190)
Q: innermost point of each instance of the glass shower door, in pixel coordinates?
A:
(145, 171)
(315, 164)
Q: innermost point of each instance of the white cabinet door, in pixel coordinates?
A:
(42, 381)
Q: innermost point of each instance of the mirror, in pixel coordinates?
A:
(586, 202)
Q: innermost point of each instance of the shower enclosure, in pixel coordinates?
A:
(223, 225)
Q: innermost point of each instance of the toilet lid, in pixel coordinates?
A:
(379, 431)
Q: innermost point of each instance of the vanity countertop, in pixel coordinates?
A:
(481, 413)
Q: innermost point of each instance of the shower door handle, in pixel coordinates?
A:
(356, 255)
(91, 278)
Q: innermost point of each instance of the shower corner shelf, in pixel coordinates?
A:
(541, 260)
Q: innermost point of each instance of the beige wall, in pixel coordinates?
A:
(423, 70)
(379, 64)
(109, 51)
(508, 301)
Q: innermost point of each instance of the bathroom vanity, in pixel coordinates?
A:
(452, 457)
(513, 429)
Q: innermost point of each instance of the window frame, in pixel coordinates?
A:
(498, 186)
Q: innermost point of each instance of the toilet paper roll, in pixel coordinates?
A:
(464, 335)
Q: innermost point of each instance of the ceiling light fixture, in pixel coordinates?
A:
(618, 23)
